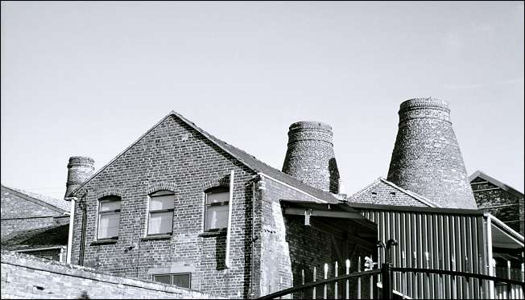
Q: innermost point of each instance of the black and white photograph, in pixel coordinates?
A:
(262, 150)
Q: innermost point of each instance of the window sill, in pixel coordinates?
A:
(104, 242)
(156, 237)
(220, 232)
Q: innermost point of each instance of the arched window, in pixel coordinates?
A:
(160, 217)
(108, 217)
(216, 208)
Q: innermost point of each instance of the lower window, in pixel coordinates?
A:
(182, 280)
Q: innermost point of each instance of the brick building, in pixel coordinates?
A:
(499, 199)
(34, 224)
(181, 206)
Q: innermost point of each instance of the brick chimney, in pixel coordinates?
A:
(426, 157)
(79, 168)
(310, 156)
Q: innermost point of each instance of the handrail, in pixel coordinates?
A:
(393, 269)
(457, 273)
(316, 283)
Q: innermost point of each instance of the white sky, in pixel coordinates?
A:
(90, 78)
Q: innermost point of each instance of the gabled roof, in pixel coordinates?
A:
(394, 200)
(495, 182)
(46, 201)
(246, 159)
(52, 235)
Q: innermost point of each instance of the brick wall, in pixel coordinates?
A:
(177, 157)
(500, 203)
(25, 276)
(287, 246)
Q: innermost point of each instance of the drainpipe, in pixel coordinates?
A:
(71, 223)
(82, 206)
(229, 228)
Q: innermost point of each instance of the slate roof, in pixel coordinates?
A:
(248, 160)
(54, 235)
(402, 197)
(57, 204)
(480, 174)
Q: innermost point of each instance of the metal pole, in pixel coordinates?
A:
(386, 274)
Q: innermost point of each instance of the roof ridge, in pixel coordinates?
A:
(218, 142)
(494, 181)
(43, 199)
(414, 195)
(361, 191)
(228, 148)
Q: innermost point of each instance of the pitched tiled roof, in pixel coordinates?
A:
(260, 167)
(384, 192)
(480, 174)
(45, 236)
(62, 205)
(248, 160)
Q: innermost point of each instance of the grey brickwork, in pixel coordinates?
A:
(310, 155)
(80, 168)
(171, 156)
(29, 277)
(177, 155)
(426, 158)
(287, 246)
(502, 201)
(384, 192)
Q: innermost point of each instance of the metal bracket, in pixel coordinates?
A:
(307, 214)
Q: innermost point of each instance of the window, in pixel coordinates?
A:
(160, 219)
(216, 208)
(108, 217)
(179, 279)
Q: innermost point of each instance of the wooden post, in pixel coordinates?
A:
(359, 278)
(522, 290)
(336, 291)
(314, 291)
(302, 282)
(347, 292)
(373, 282)
(325, 287)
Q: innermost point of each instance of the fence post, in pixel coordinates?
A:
(314, 290)
(336, 273)
(325, 288)
(347, 289)
(359, 278)
(386, 274)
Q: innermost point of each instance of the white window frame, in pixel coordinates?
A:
(206, 205)
(97, 238)
(171, 278)
(148, 215)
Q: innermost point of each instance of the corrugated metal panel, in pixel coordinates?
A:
(432, 240)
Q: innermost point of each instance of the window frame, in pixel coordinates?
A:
(107, 212)
(158, 211)
(215, 189)
(171, 278)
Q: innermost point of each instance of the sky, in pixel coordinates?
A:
(89, 78)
